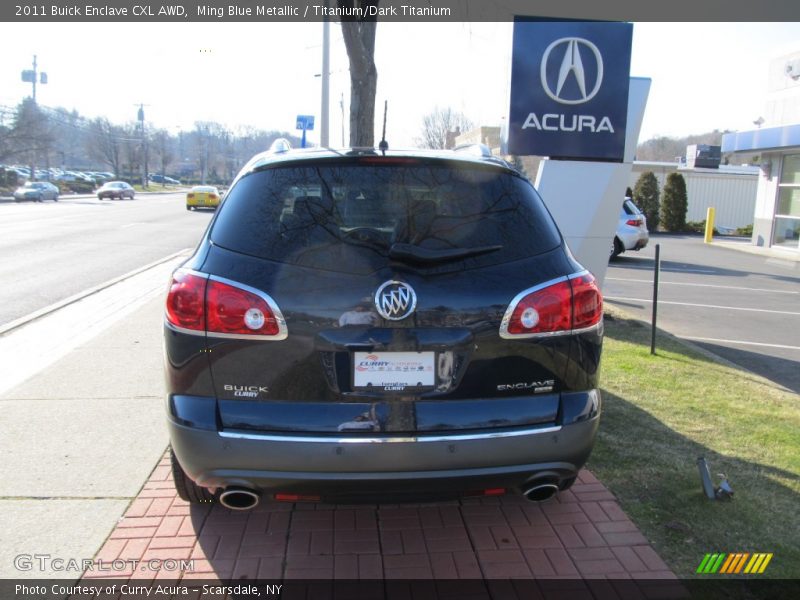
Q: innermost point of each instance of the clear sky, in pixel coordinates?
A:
(705, 75)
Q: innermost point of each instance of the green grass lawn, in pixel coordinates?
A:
(661, 413)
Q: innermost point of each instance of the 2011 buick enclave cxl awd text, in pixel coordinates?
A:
(367, 325)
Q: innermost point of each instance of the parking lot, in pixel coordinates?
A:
(88, 447)
(89, 457)
(741, 306)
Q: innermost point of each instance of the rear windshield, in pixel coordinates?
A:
(356, 217)
(630, 208)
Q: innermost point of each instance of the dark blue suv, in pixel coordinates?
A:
(370, 325)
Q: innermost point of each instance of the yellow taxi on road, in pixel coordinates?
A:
(202, 196)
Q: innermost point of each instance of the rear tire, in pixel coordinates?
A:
(187, 489)
(616, 248)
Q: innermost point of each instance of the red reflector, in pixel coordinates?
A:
(296, 498)
(185, 304)
(494, 492)
(234, 310)
(633, 222)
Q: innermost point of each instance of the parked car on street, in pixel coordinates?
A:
(631, 232)
(202, 196)
(36, 191)
(116, 189)
(365, 325)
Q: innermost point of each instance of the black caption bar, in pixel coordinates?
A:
(396, 10)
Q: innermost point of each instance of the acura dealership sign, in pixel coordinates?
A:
(569, 89)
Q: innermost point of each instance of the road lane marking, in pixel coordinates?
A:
(763, 310)
(708, 285)
(740, 342)
(671, 270)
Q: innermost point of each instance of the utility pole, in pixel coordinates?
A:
(324, 141)
(341, 106)
(31, 76)
(34, 79)
(140, 117)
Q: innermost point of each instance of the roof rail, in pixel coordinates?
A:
(474, 149)
(280, 146)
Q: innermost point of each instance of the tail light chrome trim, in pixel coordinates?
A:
(283, 331)
(504, 333)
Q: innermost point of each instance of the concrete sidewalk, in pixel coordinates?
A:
(79, 438)
(84, 444)
(745, 245)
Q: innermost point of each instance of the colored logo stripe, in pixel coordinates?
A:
(734, 563)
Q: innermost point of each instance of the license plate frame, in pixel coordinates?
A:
(393, 371)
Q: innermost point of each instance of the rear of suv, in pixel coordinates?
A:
(369, 325)
(631, 232)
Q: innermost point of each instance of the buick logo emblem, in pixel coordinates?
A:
(395, 300)
(576, 53)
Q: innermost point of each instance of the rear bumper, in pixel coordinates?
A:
(353, 465)
(633, 238)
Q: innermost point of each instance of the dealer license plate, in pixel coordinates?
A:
(393, 371)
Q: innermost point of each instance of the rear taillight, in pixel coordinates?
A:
(559, 307)
(222, 308)
(190, 195)
(587, 302)
(233, 310)
(633, 222)
(186, 301)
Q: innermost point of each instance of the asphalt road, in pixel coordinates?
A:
(743, 307)
(53, 250)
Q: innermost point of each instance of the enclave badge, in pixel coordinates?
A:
(395, 300)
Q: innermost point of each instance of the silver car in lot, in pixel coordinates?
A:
(36, 191)
(631, 232)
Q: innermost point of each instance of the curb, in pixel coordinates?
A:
(773, 253)
(16, 323)
(86, 196)
(616, 312)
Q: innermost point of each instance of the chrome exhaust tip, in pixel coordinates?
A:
(238, 498)
(539, 492)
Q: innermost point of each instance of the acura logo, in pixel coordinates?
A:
(576, 50)
(395, 300)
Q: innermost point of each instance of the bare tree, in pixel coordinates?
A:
(359, 39)
(438, 123)
(208, 140)
(164, 147)
(31, 136)
(132, 150)
(104, 143)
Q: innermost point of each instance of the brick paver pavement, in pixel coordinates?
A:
(580, 534)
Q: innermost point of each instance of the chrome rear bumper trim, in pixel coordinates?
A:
(306, 439)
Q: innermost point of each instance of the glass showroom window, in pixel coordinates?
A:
(787, 210)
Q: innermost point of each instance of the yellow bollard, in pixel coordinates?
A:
(709, 224)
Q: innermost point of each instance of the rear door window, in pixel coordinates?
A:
(359, 217)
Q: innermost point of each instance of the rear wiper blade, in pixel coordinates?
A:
(414, 253)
